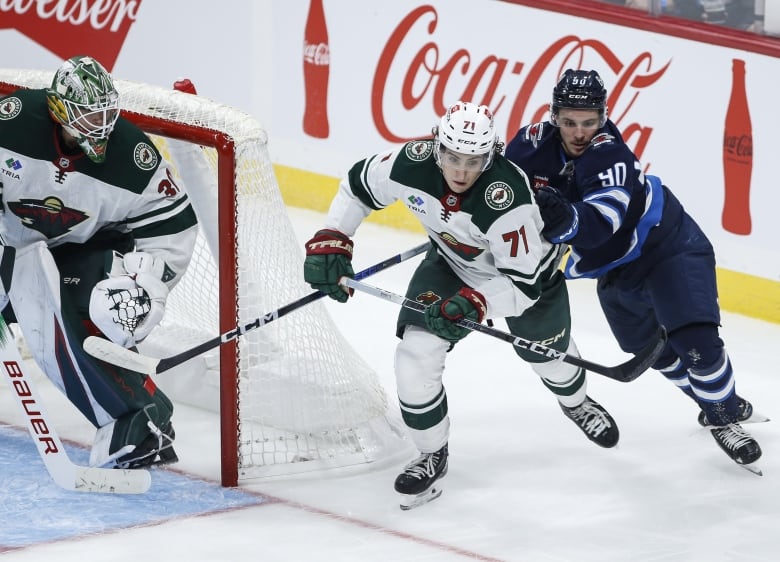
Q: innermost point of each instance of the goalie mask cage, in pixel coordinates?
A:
(293, 396)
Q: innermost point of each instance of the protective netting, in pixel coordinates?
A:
(303, 398)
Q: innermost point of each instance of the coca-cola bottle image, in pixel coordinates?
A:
(737, 156)
(316, 70)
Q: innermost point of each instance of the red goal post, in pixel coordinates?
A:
(292, 396)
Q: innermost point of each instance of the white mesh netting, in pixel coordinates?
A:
(305, 399)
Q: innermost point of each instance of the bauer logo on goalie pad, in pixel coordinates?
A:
(145, 156)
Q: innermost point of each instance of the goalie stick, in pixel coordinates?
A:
(625, 372)
(59, 466)
(110, 352)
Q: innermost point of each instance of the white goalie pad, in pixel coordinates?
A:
(35, 297)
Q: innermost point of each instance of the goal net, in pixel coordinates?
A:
(292, 396)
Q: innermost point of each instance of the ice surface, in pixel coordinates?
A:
(523, 483)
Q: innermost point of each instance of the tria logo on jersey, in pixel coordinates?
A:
(98, 27)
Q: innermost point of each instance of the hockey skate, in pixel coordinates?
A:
(739, 445)
(746, 415)
(420, 482)
(595, 422)
(155, 450)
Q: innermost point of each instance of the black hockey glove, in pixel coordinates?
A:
(441, 318)
(328, 259)
(559, 216)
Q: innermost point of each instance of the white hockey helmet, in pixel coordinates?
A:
(468, 129)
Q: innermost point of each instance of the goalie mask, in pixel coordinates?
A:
(467, 129)
(579, 89)
(83, 99)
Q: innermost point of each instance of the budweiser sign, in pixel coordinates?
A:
(73, 27)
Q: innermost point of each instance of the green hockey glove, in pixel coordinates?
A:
(328, 259)
(441, 318)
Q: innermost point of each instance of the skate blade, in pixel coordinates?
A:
(409, 501)
(752, 468)
(755, 418)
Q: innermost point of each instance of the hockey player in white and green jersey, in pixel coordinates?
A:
(489, 260)
(95, 231)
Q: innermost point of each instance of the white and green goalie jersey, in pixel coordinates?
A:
(57, 195)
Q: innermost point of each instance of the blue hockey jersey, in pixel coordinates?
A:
(616, 204)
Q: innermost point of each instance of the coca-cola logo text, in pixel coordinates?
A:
(738, 146)
(72, 27)
(316, 53)
(430, 72)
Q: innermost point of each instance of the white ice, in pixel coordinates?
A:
(523, 484)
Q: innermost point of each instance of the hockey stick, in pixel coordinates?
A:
(624, 372)
(110, 352)
(61, 469)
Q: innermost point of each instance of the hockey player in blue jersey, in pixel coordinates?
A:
(653, 263)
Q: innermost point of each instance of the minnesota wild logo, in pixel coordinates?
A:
(465, 251)
(48, 216)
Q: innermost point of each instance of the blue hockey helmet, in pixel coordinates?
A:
(579, 89)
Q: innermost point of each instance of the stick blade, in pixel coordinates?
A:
(110, 481)
(108, 351)
(642, 361)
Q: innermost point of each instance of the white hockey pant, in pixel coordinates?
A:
(567, 382)
(419, 366)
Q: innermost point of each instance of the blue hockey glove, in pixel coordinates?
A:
(441, 318)
(559, 216)
(328, 259)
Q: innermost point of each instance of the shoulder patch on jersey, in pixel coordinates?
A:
(419, 150)
(601, 138)
(10, 108)
(534, 132)
(499, 195)
(145, 156)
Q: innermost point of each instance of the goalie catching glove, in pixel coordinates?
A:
(328, 259)
(441, 319)
(131, 302)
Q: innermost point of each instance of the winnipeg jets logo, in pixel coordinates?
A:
(601, 138)
(48, 216)
(534, 132)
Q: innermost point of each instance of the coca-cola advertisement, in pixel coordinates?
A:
(332, 84)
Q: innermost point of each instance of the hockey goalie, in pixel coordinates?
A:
(96, 232)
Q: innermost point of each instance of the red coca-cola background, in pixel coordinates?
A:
(73, 27)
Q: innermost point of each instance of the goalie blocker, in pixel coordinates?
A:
(132, 416)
